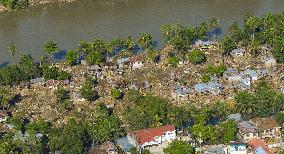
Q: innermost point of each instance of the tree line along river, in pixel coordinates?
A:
(68, 23)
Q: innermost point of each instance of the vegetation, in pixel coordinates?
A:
(179, 147)
(14, 4)
(87, 90)
(197, 57)
(264, 102)
(145, 41)
(115, 93)
(50, 47)
(71, 57)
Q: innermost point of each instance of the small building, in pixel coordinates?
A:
(122, 62)
(215, 149)
(213, 87)
(154, 136)
(204, 44)
(54, 83)
(3, 116)
(126, 143)
(259, 146)
(237, 52)
(181, 93)
(251, 74)
(232, 75)
(140, 85)
(38, 81)
(136, 62)
(237, 148)
(247, 130)
(268, 128)
(237, 117)
(269, 61)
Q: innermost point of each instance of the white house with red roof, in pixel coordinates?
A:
(154, 136)
(136, 62)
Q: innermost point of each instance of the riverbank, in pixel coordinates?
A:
(36, 3)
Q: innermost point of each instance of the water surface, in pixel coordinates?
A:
(68, 23)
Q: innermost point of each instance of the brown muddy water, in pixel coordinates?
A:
(68, 23)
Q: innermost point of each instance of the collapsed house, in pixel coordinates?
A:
(180, 93)
(237, 53)
(213, 87)
(247, 130)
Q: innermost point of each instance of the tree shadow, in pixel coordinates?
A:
(59, 55)
(4, 64)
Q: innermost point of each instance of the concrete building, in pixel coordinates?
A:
(154, 136)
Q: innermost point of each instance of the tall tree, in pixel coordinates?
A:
(179, 147)
(71, 57)
(50, 47)
(145, 41)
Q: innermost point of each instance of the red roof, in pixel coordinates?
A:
(255, 143)
(147, 135)
(134, 59)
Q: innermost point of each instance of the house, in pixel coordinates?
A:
(213, 87)
(215, 149)
(136, 62)
(181, 93)
(247, 130)
(259, 146)
(251, 74)
(126, 143)
(237, 148)
(232, 75)
(237, 52)
(236, 117)
(154, 136)
(204, 44)
(268, 128)
(140, 85)
(37, 82)
(3, 116)
(269, 61)
(54, 83)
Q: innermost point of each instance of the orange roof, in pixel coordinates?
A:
(147, 135)
(255, 143)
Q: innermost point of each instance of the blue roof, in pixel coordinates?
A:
(124, 143)
(260, 150)
(200, 87)
(122, 60)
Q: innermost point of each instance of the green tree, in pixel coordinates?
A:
(95, 57)
(72, 138)
(145, 41)
(227, 45)
(87, 90)
(14, 4)
(5, 96)
(61, 94)
(179, 147)
(197, 57)
(279, 118)
(71, 57)
(49, 72)
(50, 47)
(27, 65)
(173, 61)
(115, 93)
(106, 128)
(12, 49)
(229, 131)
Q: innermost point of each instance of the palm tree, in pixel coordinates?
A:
(12, 49)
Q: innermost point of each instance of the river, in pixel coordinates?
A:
(68, 23)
